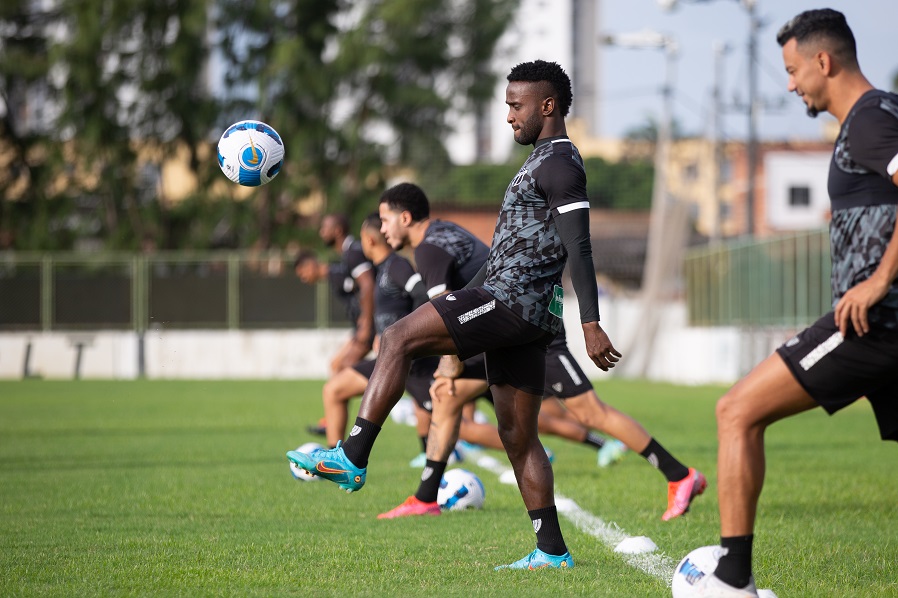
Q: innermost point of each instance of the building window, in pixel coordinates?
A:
(800, 197)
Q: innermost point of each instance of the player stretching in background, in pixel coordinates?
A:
(567, 382)
(398, 290)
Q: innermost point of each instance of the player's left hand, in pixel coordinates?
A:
(852, 308)
(441, 387)
(599, 347)
(450, 367)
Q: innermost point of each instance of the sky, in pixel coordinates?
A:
(631, 79)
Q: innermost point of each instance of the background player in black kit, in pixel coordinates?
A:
(398, 290)
(852, 351)
(358, 282)
(352, 281)
(448, 257)
(512, 317)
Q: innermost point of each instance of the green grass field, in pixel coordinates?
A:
(182, 488)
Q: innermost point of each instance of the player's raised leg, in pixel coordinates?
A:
(420, 333)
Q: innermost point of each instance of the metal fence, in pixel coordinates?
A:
(784, 281)
(170, 290)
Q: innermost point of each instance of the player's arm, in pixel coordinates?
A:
(436, 267)
(362, 272)
(479, 278)
(402, 273)
(874, 143)
(365, 324)
(565, 188)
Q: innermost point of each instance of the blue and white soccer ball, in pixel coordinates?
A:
(459, 490)
(250, 153)
(694, 566)
(301, 474)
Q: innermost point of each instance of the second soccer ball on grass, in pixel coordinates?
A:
(459, 490)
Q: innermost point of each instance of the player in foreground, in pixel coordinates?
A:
(852, 351)
(512, 313)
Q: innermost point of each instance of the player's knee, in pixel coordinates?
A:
(730, 412)
(395, 339)
(513, 440)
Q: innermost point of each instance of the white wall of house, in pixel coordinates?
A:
(796, 194)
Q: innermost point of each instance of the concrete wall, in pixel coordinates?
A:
(680, 354)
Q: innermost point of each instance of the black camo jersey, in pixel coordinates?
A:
(864, 198)
(448, 257)
(343, 275)
(527, 255)
(397, 292)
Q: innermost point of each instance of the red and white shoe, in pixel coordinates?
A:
(411, 506)
(680, 494)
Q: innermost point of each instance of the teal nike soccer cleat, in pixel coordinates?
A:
(540, 560)
(331, 464)
(611, 453)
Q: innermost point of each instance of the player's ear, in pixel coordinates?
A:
(548, 106)
(824, 62)
(405, 218)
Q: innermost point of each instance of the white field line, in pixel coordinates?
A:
(610, 534)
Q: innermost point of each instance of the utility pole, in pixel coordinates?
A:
(750, 192)
(665, 236)
(716, 229)
(754, 26)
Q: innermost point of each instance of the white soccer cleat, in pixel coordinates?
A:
(694, 577)
(711, 586)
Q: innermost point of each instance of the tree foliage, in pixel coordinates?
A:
(625, 185)
(355, 88)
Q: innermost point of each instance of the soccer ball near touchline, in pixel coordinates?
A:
(250, 153)
(459, 490)
(694, 566)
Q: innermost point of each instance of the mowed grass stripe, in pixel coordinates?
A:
(158, 488)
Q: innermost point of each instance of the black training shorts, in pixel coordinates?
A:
(515, 349)
(564, 377)
(838, 371)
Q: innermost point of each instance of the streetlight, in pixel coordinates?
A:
(653, 40)
(754, 26)
(662, 237)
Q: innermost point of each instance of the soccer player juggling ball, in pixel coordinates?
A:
(511, 311)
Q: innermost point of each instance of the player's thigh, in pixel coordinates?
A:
(587, 406)
(466, 390)
(422, 332)
(552, 407)
(345, 384)
(767, 394)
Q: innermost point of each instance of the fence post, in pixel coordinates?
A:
(322, 307)
(46, 292)
(233, 290)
